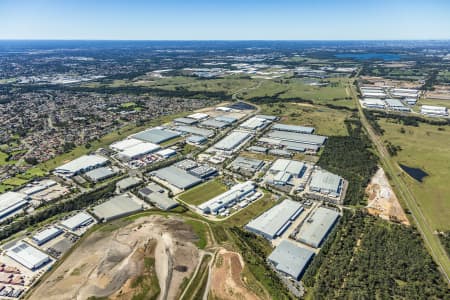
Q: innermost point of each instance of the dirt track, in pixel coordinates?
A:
(106, 262)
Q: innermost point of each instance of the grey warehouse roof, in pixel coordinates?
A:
(156, 135)
(128, 182)
(247, 163)
(292, 167)
(267, 117)
(177, 177)
(293, 128)
(185, 121)
(116, 207)
(196, 130)
(271, 221)
(80, 219)
(289, 144)
(225, 119)
(214, 124)
(100, 174)
(158, 196)
(317, 226)
(231, 141)
(326, 181)
(297, 137)
(290, 259)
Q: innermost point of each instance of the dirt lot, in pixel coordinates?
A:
(226, 282)
(110, 262)
(439, 92)
(382, 200)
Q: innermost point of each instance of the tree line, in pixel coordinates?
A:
(369, 258)
(351, 157)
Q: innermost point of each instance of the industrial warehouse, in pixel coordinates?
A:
(77, 221)
(434, 111)
(256, 123)
(293, 128)
(137, 151)
(176, 177)
(116, 207)
(158, 196)
(290, 259)
(276, 220)
(227, 199)
(46, 235)
(207, 133)
(314, 230)
(232, 142)
(326, 186)
(246, 165)
(28, 256)
(156, 135)
(287, 174)
(80, 165)
(11, 202)
(100, 174)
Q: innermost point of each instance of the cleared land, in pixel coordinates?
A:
(203, 192)
(226, 278)
(425, 147)
(122, 260)
(382, 200)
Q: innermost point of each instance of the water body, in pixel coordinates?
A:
(416, 173)
(370, 56)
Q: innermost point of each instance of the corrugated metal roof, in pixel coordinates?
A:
(290, 258)
(177, 177)
(325, 180)
(317, 226)
(271, 221)
(293, 128)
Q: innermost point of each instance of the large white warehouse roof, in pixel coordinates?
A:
(82, 164)
(77, 221)
(28, 256)
(11, 201)
(272, 222)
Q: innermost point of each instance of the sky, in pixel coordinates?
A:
(225, 20)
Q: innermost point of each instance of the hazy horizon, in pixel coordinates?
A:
(225, 20)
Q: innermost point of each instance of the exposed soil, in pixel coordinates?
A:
(226, 281)
(107, 262)
(382, 200)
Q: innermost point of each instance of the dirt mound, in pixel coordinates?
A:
(382, 200)
(123, 260)
(226, 282)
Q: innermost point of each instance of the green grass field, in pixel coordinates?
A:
(436, 102)
(229, 84)
(425, 147)
(203, 192)
(334, 93)
(201, 231)
(253, 210)
(327, 121)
